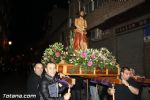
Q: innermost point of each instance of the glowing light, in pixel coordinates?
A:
(10, 42)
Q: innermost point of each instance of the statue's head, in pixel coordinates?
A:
(82, 13)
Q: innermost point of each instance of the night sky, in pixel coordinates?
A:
(24, 22)
(27, 21)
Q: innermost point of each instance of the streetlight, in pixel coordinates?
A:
(10, 42)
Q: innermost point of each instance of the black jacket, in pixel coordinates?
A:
(49, 88)
(33, 84)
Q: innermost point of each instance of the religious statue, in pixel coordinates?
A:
(80, 39)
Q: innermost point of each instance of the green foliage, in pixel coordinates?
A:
(88, 59)
(54, 54)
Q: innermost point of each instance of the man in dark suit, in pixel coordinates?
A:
(34, 79)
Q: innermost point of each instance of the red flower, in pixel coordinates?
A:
(57, 54)
(83, 54)
(90, 63)
(93, 56)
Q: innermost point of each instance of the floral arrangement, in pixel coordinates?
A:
(106, 59)
(87, 59)
(54, 53)
(92, 58)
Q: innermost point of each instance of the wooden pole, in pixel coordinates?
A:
(113, 93)
(79, 5)
(69, 89)
(95, 92)
(87, 93)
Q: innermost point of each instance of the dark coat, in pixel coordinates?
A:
(33, 84)
(49, 88)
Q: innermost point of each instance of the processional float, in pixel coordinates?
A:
(100, 74)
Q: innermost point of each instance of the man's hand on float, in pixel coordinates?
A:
(62, 75)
